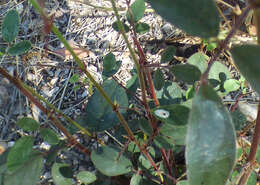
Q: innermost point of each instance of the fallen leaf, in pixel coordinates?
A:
(80, 52)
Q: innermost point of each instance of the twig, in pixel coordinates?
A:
(224, 44)
(71, 139)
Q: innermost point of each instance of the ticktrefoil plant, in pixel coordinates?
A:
(172, 123)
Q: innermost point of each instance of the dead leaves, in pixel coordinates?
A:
(80, 52)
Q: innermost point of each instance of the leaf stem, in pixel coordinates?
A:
(256, 136)
(18, 83)
(223, 45)
(90, 77)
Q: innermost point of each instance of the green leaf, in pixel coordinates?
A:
(164, 142)
(168, 54)
(239, 119)
(246, 58)
(115, 26)
(218, 75)
(66, 171)
(231, 85)
(183, 182)
(28, 174)
(2, 51)
(74, 78)
(145, 126)
(158, 79)
(197, 18)
(219, 72)
(176, 134)
(176, 115)
(110, 65)
(100, 115)
(138, 9)
(142, 28)
(10, 26)
(211, 141)
(144, 163)
(252, 180)
(49, 136)
(186, 73)
(171, 93)
(57, 176)
(19, 153)
(28, 124)
(199, 60)
(136, 179)
(86, 177)
(20, 48)
(190, 92)
(106, 161)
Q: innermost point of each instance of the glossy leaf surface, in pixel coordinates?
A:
(107, 162)
(247, 60)
(197, 18)
(211, 141)
(10, 26)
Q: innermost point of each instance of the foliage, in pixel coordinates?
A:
(10, 29)
(177, 126)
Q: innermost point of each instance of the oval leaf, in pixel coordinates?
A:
(142, 28)
(107, 162)
(115, 26)
(29, 174)
(197, 18)
(86, 177)
(57, 176)
(19, 153)
(168, 54)
(10, 26)
(176, 134)
(247, 60)
(176, 115)
(158, 79)
(110, 65)
(49, 136)
(100, 115)
(20, 48)
(211, 142)
(199, 60)
(28, 124)
(138, 9)
(186, 73)
(171, 93)
(231, 85)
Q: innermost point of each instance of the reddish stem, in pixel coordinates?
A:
(73, 142)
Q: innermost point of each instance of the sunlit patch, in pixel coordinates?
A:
(162, 113)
